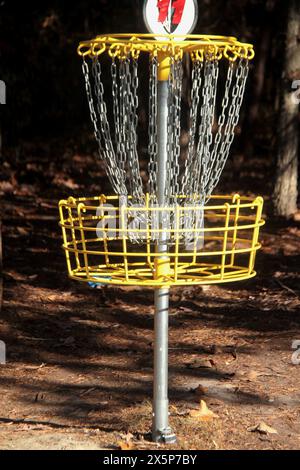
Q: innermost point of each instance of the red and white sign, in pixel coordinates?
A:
(170, 16)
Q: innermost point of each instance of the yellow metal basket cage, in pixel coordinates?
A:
(98, 246)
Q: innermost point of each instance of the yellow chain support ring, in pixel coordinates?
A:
(198, 46)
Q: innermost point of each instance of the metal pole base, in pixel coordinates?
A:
(161, 431)
(166, 436)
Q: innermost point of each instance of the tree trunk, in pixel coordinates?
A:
(286, 191)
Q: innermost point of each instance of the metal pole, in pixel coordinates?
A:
(161, 431)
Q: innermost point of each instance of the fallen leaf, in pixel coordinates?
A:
(204, 413)
(16, 276)
(205, 288)
(65, 182)
(252, 375)
(296, 216)
(174, 411)
(201, 364)
(34, 367)
(23, 231)
(126, 443)
(6, 187)
(200, 391)
(262, 428)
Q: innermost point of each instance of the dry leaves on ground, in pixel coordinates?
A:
(203, 413)
(262, 428)
(201, 364)
(126, 443)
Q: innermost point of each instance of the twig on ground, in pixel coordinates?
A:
(286, 287)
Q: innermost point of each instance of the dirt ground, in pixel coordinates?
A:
(79, 360)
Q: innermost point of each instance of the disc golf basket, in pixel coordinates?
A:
(163, 227)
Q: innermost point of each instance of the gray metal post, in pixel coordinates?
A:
(161, 431)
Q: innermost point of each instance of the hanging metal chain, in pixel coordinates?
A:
(125, 105)
(204, 167)
(122, 116)
(105, 129)
(220, 135)
(131, 121)
(152, 130)
(188, 176)
(130, 102)
(119, 132)
(175, 168)
(209, 90)
(237, 94)
(195, 100)
(174, 131)
(199, 157)
(170, 131)
(101, 127)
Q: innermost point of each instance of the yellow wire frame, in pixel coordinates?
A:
(198, 46)
(235, 233)
(223, 252)
(225, 239)
(255, 237)
(235, 199)
(73, 234)
(81, 208)
(124, 243)
(143, 276)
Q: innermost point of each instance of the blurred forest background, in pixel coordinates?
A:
(47, 116)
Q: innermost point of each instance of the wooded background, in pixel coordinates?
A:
(46, 99)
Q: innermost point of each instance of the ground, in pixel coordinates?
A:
(79, 360)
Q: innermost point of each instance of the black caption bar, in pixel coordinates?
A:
(137, 459)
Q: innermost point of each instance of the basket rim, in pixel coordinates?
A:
(126, 44)
(232, 200)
